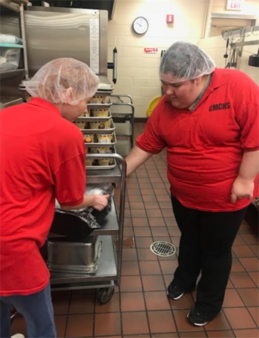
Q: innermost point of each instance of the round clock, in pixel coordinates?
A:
(140, 25)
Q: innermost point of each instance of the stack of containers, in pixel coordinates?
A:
(98, 129)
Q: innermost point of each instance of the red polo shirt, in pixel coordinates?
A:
(42, 157)
(205, 146)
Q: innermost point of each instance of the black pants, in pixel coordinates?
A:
(205, 247)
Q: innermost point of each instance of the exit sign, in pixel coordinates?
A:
(235, 5)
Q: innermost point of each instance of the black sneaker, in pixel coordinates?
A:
(174, 292)
(197, 319)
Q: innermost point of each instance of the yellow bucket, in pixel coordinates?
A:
(152, 105)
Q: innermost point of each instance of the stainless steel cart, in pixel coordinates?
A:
(111, 234)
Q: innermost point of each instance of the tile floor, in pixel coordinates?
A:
(140, 308)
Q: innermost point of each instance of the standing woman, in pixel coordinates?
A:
(208, 120)
(42, 156)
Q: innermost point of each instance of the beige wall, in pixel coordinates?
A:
(138, 71)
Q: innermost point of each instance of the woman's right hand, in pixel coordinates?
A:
(100, 201)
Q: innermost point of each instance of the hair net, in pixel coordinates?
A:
(186, 61)
(63, 80)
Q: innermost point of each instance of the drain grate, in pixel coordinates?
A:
(163, 249)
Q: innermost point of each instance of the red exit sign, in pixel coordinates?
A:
(235, 5)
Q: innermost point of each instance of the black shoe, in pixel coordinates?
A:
(197, 319)
(174, 292)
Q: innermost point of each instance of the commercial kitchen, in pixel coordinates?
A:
(118, 289)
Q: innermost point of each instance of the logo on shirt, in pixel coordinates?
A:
(220, 106)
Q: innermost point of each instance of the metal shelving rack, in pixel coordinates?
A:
(123, 111)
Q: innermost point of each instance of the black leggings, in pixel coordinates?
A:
(205, 247)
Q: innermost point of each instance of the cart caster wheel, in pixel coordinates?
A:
(104, 295)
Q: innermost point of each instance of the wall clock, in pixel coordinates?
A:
(140, 25)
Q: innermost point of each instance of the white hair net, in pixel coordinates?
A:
(186, 61)
(63, 80)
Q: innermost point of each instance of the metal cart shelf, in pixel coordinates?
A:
(111, 231)
(123, 111)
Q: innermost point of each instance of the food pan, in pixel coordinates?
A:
(74, 257)
(94, 140)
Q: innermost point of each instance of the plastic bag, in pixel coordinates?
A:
(78, 224)
(9, 38)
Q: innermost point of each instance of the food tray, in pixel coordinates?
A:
(99, 105)
(98, 144)
(99, 131)
(101, 167)
(92, 118)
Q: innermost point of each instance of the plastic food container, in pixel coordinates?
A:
(101, 150)
(80, 124)
(100, 99)
(105, 161)
(104, 138)
(89, 138)
(97, 125)
(86, 114)
(100, 112)
(9, 58)
(89, 161)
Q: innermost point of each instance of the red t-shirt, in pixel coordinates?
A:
(42, 157)
(205, 146)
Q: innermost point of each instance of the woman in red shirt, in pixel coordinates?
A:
(42, 157)
(208, 120)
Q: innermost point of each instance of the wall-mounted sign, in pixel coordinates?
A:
(235, 5)
(151, 50)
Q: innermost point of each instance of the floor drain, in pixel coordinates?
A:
(163, 249)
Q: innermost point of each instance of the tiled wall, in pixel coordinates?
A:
(137, 71)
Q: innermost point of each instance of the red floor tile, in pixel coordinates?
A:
(107, 324)
(254, 312)
(139, 221)
(146, 255)
(250, 239)
(149, 268)
(79, 326)
(82, 304)
(153, 283)
(237, 266)
(112, 306)
(254, 333)
(129, 254)
(157, 300)
(168, 267)
(130, 284)
(130, 269)
(60, 303)
(255, 277)
(134, 323)
(249, 296)
(200, 334)
(239, 318)
(143, 242)
(221, 334)
(241, 280)
(243, 251)
(232, 299)
(159, 231)
(250, 264)
(132, 301)
(186, 302)
(220, 322)
(142, 231)
(161, 321)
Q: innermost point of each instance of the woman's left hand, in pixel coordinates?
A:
(242, 188)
